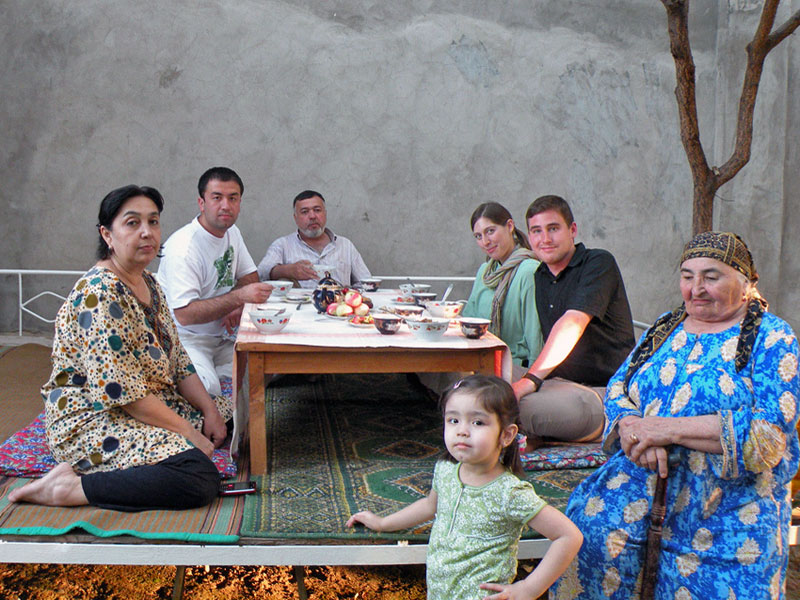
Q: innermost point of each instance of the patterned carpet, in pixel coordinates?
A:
(217, 523)
(349, 443)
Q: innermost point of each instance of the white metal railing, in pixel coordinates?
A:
(22, 305)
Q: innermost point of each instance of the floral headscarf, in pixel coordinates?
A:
(730, 249)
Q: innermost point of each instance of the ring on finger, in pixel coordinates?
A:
(634, 438)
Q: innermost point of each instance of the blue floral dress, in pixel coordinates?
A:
(726, 526)
(111, 350)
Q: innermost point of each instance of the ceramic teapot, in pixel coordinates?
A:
(327, 292)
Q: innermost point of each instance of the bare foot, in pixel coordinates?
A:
(60, 487)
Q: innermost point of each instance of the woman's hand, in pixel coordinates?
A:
(214, 427)
(651, 431)
(654, 458)
(644, 441)
(628, 438)
(200, 441)
(192, 389)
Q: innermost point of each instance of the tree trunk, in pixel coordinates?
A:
(703, 205)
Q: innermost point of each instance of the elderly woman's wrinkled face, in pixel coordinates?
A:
(712, 291)
(135, 234)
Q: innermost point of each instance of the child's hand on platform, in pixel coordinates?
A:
(516, 591)
(366, 518)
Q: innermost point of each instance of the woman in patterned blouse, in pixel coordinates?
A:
(127, 417)
(708, 399)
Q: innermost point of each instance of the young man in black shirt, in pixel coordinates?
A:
(587, 325)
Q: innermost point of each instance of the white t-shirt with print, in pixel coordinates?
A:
(198, 265)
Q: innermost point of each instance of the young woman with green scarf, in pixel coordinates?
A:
(504, 289)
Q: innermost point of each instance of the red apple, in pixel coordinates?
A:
(352, 298)
(331, 310)
(361, 310)
(342, 310)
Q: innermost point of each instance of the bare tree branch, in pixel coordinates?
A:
(706, 181)
(784, 31)
(756, 53)
(685, 94)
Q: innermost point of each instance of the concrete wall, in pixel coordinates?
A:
(405, 115)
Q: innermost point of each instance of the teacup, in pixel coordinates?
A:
(387, 324)
(474, 327)
(268, 320)
(429, 329)
(322, 269)
(371, 284)
(408, 311)
(422, 297)
(447, 310)
(409, 288)
(280, 286)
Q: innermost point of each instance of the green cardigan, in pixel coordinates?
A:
(519, 327)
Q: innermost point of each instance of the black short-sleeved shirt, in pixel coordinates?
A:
(592, 284)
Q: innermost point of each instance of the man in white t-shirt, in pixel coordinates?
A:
(293, 256)
(208, 274)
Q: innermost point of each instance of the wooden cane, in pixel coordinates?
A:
(652, 549)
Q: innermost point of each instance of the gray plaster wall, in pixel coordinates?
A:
(405, 115)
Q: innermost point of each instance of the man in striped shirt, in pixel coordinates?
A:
(293, 256)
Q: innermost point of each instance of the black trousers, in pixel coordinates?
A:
(186, 480)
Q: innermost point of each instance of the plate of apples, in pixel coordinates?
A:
(351, 304)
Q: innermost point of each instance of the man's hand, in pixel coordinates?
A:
(232, 319)
(523, 387)
(302, 269)
(253, 292)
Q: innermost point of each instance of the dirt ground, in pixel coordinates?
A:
(81, 582)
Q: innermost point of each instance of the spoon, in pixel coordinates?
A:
(447, 292)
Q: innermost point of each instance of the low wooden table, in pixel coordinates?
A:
(313, 343)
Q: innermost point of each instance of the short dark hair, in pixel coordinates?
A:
(499, 215)
(305, 195)
(219, 174)
(556, 203)
(496, 396)
(113, 203)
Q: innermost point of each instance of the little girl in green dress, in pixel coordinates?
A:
(479, 504)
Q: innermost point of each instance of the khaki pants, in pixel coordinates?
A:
(562, 410)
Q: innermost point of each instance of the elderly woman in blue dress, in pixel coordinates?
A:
(708, 400)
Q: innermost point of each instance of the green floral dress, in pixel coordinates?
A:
(475, 536)
(111, 350)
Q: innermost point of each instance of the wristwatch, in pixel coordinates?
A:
(536, 381)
